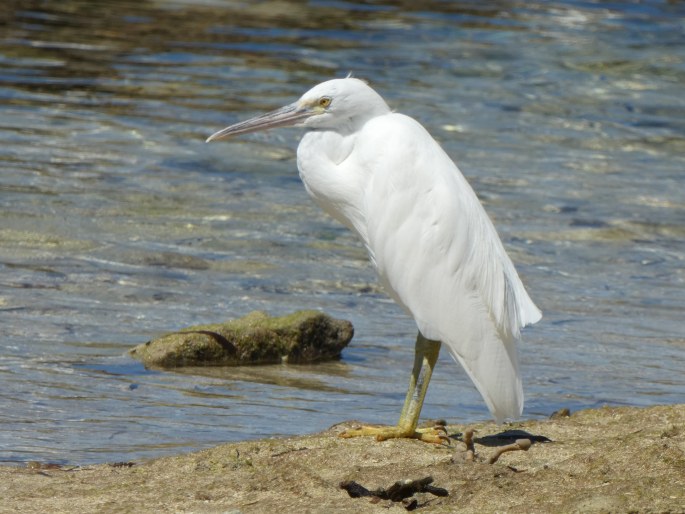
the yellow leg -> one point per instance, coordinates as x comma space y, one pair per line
425, 356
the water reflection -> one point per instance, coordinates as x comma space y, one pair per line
118, 223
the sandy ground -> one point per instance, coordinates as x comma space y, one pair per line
605, 460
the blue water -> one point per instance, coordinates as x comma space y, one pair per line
119, 223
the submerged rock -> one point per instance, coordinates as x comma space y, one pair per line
301, 337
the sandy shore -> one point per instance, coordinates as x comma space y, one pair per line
604, 460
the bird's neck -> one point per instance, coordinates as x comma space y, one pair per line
323, 159
331, 146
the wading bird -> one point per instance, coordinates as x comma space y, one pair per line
435, 250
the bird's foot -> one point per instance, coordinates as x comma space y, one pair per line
436, 434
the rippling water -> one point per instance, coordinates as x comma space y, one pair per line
119, 223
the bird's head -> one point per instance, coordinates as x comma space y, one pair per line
339, 104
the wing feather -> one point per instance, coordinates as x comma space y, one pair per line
439, 256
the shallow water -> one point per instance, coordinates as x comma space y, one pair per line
119, 223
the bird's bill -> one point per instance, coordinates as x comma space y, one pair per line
283, 117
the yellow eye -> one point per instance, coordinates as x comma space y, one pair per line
324, 101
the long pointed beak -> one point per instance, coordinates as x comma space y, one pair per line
283, 117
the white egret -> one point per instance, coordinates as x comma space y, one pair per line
435, 250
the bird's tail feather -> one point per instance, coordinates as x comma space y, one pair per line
498, 383
492, 364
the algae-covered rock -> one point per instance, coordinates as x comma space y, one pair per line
301, 337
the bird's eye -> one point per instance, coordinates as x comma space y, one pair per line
324, 101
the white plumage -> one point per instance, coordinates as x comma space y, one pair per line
436, 251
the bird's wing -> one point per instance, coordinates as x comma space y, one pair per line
439, 256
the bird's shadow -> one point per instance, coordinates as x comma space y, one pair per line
504, 438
